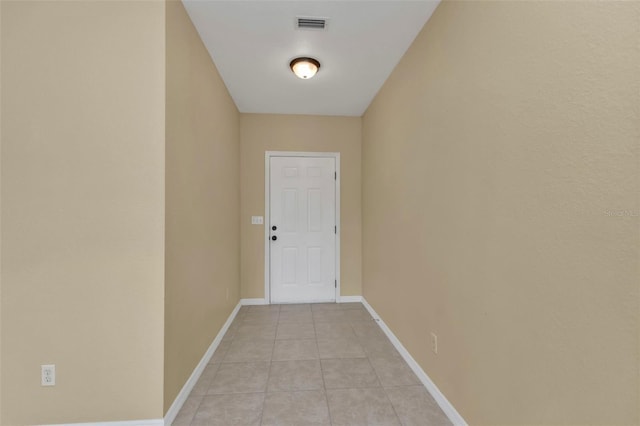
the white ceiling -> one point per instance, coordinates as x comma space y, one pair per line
252, 43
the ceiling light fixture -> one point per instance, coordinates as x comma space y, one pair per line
304, 68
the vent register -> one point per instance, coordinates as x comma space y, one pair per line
311, 23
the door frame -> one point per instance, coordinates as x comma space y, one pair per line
267, 218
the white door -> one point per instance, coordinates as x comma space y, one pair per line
302, 229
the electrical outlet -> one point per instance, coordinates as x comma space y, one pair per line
48, 375
434, 343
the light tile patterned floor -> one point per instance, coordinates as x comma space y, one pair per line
304, 365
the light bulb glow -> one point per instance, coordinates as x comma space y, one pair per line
304, 68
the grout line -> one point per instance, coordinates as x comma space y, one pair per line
393, 407
195, 412
384, 390
324, 384
266, 386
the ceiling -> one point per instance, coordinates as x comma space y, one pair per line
252, 43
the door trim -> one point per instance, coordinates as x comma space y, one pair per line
267, 209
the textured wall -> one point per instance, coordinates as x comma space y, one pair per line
202, 275
267, 132
82, 210
500, 208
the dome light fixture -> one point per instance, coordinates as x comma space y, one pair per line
304, 68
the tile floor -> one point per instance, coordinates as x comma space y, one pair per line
303, 365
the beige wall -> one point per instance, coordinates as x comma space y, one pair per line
82, 210
202, 274
490, 160
266, 132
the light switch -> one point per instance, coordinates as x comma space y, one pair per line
257, 220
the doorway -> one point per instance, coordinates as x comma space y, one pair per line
302, 249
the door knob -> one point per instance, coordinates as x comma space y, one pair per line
273, 228
274, 238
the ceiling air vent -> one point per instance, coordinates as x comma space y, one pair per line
311, 23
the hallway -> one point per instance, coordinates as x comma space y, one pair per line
321, 364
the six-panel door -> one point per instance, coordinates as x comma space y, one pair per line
302, 229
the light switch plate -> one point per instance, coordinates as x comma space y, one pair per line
257, 220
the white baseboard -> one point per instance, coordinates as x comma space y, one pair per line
247, 302
188, 386
341, 299
153, 422
349, 299
442, 401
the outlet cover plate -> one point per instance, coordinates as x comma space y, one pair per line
48, 375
